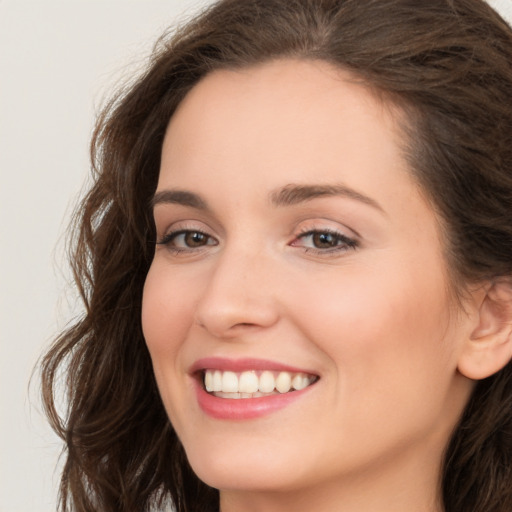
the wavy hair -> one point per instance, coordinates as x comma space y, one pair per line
446, 63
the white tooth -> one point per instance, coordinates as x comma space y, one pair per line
297, 382
248, 382
208, 380
234, 396
300, 381
284, 382
217, 381
267, 382
229, 382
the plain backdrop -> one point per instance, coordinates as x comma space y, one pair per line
58, 61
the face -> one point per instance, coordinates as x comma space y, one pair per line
299, 271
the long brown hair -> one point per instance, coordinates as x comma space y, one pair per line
446, 63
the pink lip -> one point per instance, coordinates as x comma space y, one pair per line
243, 408
240, 365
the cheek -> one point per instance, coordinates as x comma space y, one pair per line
382, 329
392, 360
167, 314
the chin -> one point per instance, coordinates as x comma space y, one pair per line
246, 469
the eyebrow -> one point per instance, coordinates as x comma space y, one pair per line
295, 194
288, 195
183, 197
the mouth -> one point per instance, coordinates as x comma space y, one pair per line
244, 389
253, 383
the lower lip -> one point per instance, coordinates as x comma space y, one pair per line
244, 408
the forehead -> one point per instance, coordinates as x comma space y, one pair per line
285, 115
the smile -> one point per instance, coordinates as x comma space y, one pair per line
253, 383
243, 389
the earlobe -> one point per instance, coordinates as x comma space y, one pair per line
489, 347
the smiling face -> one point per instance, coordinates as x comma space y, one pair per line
295, 251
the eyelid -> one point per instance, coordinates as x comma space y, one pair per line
175, 233
347, 242
175, 229
183, 225
321, 224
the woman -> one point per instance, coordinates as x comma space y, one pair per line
296, 262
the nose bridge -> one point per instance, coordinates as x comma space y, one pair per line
238, 292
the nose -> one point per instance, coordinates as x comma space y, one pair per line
239, 295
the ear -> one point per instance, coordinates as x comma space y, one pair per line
489, 347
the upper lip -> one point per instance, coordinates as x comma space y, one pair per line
245, 364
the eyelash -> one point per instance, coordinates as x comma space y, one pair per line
170, 237
342, 242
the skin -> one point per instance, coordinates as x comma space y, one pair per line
376, 322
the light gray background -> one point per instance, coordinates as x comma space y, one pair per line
58, 60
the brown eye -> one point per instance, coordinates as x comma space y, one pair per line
325, 240
186, 239
195, 239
